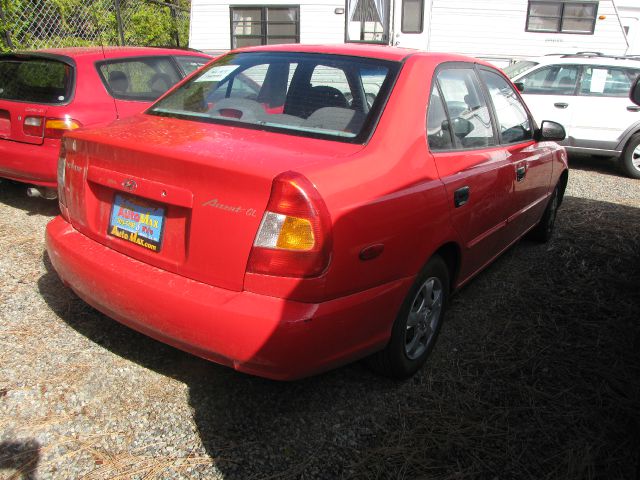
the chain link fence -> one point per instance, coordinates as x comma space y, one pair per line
33, 24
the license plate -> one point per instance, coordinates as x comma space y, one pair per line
137, 221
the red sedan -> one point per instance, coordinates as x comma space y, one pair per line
45, 93
289, 209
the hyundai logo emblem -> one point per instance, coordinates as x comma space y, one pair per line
130, 185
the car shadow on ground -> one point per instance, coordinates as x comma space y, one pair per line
22, 457
534, 375
593, 163
14, 194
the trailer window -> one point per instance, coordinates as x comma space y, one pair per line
562, 16
412, 16
252, 26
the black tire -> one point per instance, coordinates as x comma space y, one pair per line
410, 346
630, 159
543, 231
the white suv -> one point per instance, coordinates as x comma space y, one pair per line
588, 93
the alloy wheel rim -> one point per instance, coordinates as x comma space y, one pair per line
635, 158
424, 316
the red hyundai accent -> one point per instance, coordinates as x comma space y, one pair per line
289, 209
45, 93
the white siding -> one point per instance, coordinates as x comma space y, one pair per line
496, 28
210, 22
483, 28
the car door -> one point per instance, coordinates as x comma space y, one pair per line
602, 110
532, 166
474, 168
550, 93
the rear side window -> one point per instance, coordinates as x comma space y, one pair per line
607, 81
35, 80
438, 131
143, 79
552, 80
468, 112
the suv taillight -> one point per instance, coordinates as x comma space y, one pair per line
294, 238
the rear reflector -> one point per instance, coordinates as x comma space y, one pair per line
33, 126
294, 238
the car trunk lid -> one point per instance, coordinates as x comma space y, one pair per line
183, 196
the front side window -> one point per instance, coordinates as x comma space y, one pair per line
251, 26
143, 79
190, 64
35, 80
470, 121
552, 80
316, 95
607, 81
561, 16
511, 115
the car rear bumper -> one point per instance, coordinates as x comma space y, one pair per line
35, 164
257, 334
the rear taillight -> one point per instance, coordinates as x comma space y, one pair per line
33, 126
294, 238
62, 167
56, 127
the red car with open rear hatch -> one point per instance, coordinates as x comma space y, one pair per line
45, 93
292, 208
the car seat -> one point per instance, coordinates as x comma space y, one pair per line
118, 81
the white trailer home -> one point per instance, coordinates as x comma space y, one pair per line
498, 30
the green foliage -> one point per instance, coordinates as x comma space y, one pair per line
30, 24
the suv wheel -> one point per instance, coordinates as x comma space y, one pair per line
630, 160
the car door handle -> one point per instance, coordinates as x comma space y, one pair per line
633, 108
561, 105
521, 172
461, 196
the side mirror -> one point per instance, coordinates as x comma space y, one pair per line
520, 86
551, 131
459, 126
634, 94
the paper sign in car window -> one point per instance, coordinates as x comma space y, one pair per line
598, 80
216, 74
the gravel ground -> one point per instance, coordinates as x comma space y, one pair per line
536, 374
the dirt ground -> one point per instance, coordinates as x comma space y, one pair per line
536, 374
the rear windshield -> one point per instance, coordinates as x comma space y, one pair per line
305, 94
518, 67
143, 79
35, 80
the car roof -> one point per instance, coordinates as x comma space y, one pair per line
382, 52
93, 53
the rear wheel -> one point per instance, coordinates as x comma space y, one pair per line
544, 230
630, 160
418, 323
